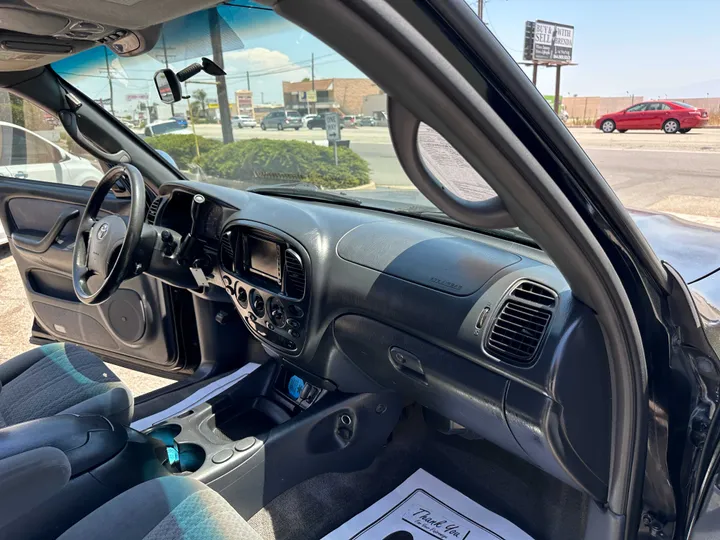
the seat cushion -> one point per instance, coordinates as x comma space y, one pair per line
167, 508
61, 378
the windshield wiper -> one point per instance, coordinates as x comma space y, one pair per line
306, 191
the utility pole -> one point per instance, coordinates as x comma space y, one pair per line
167, 65
262, 97
312, 79
247, 74
222, 95
480, 9
107, 68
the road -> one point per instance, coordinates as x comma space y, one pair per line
647, 169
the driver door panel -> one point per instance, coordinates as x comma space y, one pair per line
134, 326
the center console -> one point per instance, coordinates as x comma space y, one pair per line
272, 430
266, 273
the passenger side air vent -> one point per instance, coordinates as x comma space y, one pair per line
519, 328
294, 275
535, 293
153, 210
227, 251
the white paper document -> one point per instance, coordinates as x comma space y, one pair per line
424, 508
207, 392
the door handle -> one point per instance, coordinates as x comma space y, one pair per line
20, 174
33, 244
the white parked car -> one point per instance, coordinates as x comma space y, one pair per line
31, 156
307, 118
165, 127
243, 121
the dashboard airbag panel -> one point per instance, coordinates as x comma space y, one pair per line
445, 263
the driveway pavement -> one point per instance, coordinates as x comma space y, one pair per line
647, 169
17, 319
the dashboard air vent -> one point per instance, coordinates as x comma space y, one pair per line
535, 293
520, 326
153, 210
294, 275
227, 251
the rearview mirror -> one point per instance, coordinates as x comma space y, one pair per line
168, 86
168, 82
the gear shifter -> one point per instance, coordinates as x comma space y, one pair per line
189, 240
197, 203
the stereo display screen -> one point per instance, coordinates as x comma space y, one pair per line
264, 257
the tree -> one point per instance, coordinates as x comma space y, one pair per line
201, 96
306, 79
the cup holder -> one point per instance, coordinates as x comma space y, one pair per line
178, 458
192, 457
166, 433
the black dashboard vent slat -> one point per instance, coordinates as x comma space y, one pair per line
153, 210
294, 275
520, 326
227, 251
535, 293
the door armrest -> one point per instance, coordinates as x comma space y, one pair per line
41, 245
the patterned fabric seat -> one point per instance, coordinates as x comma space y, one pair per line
61, 378
168, 508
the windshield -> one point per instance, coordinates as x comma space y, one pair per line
281, 77
277, 75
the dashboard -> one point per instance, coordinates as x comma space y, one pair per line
483, 332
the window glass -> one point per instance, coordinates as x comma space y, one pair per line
684, 105
34, 146
638, 108
654, 107
277, 74
665, 107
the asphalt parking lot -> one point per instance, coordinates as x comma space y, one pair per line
647, 169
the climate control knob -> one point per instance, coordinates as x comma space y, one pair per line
258, 304
277, 312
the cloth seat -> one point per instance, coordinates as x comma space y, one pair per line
167, 508
61, 378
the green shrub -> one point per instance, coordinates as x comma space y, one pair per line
182, 147
275, 161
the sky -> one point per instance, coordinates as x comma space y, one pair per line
649, 48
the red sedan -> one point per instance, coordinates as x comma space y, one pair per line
670, 116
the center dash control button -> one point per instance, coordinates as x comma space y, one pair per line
222, 456
245, 444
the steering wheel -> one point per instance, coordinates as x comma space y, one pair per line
104, 248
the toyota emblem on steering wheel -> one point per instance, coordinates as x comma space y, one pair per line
102, 231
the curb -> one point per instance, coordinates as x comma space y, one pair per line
371, 185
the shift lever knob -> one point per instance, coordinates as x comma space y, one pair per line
197, 203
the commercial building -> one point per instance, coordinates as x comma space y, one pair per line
332, 95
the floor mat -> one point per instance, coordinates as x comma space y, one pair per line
542, 506
424, 508
205, 393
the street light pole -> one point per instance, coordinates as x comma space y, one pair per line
107, 67
222, 94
